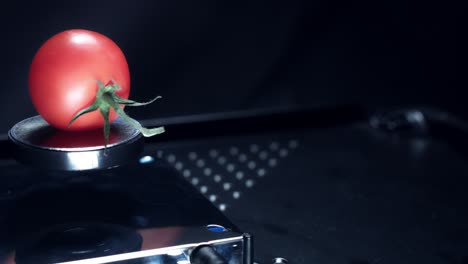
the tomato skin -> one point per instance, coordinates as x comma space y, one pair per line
64, 73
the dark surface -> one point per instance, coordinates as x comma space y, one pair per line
53, 216
345, 194
216, 56
339, 192
361, 200
206, 254
70, 242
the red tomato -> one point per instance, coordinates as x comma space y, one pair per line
64, 73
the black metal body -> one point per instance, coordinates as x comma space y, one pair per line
56, 216
341, 189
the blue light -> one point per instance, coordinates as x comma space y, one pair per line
216, 228
146, 159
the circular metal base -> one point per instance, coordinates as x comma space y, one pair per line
41, 145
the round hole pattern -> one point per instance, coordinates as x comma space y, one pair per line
263, 155
254, 148
222, 207
212, 198
213, 153
293, 144
252, 165
222, 174
179, 165
217, 178
227, 186
274, 146
186, 173
195, 181
242, 158
234, 151
272, 162
171, 158
230, 167
200, 163
222, 160
283, 153
192, 155
261, 172
207, 171
249, 183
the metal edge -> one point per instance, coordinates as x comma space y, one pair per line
13, 138
113, 158
248, 254
238, 122
145, 253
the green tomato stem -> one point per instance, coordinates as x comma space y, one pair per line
147, 132
106, 98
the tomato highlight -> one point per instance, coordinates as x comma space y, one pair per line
79, 80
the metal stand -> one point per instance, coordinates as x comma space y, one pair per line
39, 144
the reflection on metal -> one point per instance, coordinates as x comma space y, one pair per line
231, 249
146, 159
280, 261
82, 160
171, 221
39, 144
216, 228
403, 122
73, 241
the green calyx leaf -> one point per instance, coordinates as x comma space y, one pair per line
106, 98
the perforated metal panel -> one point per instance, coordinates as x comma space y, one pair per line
223, 174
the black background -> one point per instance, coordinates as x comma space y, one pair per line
406, 200
214, 56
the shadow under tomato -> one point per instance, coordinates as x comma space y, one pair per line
78, 139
